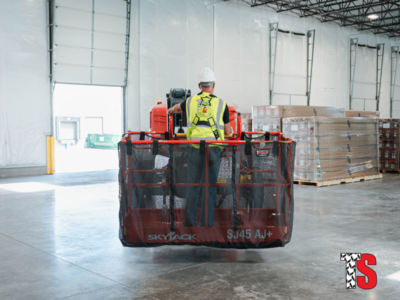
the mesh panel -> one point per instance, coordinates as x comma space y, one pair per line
181, 193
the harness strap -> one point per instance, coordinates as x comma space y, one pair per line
211, 121
203, 123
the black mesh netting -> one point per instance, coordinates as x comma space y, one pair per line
231, 195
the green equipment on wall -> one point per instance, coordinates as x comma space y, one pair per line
103, 141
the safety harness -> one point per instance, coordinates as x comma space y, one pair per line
205, 116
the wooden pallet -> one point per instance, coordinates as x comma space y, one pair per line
337, 181
390, 171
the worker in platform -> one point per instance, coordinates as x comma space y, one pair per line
207, 119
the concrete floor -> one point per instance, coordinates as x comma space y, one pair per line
75, 159
58, 239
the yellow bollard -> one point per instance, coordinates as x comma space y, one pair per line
50, 155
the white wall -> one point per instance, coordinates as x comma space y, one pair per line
171, 40
24, 87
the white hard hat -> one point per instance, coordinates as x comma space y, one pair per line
206, 75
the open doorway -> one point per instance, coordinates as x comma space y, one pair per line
88, 125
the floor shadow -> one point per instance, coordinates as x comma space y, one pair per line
201, 254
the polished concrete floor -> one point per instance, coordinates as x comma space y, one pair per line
59, 240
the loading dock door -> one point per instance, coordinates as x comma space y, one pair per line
90, 42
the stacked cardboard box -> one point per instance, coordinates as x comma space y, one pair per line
361, 113
269, 118
389, 144
246, 122
333, 147
246, 125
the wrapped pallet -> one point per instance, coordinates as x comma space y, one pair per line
361, 113
331, 148
269, 118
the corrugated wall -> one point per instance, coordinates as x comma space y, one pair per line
24, 87
171, 40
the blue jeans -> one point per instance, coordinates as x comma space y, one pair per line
196, 174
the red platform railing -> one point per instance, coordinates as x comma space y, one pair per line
140, 224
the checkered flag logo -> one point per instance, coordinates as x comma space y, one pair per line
351, 264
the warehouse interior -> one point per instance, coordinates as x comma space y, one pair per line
313, 84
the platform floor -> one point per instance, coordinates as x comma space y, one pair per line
59, 240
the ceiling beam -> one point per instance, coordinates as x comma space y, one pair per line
357, 16
318, 5
356, 7
370, 21
344, 12
380, 26
264, 3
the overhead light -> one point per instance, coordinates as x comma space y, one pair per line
373, 17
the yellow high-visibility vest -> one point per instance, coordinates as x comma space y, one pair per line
204, 113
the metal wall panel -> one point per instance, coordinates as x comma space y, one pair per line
113, 7
291, 68
79, 4
24, 88
365, 74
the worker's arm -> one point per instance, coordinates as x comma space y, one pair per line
228, 129
227, 124
175, 109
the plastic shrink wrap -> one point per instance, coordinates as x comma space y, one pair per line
362, 113
269, 118
333, 147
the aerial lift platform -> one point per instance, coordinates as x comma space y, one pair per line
254, 206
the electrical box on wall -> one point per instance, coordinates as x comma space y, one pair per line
68, 130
